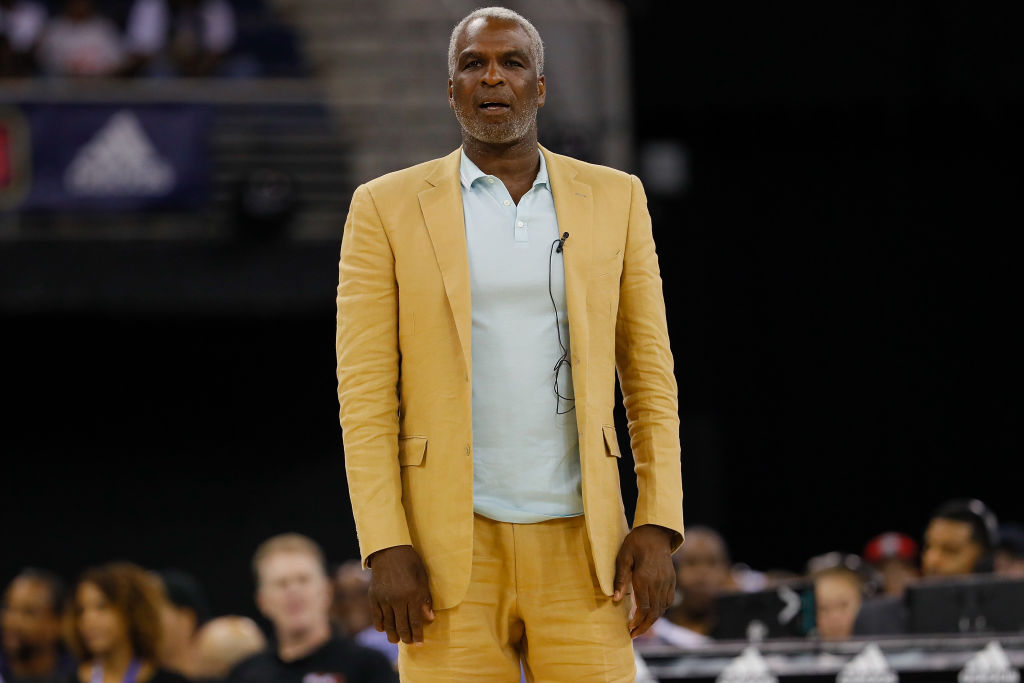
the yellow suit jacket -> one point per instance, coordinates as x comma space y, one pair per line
405, 365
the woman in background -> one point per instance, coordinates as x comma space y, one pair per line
113, 626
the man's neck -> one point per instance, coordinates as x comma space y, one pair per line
296, 645
40, 663
513, 162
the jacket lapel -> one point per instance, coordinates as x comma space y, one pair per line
574, 206
441, 205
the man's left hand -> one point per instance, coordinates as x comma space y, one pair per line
645, 558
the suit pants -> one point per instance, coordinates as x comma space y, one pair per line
533, 601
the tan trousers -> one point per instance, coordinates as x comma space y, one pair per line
533, 597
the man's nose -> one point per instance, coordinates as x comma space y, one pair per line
493, 75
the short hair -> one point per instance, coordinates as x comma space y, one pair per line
502, 14
185, 592
287, 543
984, 523
134, 592
56, 586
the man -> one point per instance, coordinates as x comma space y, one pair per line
894, 557
181, 616
30, 620
223, 642
485, 301
294, 593
959, 540
350, 610
702, 572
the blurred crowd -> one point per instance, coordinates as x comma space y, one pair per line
152, 38
120, 621
854, 594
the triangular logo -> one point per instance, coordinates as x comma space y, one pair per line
991, 665
749, 667
119, 161
867, 667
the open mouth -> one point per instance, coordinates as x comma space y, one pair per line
494, 106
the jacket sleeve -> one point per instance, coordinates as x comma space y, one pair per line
644, 363
368, 366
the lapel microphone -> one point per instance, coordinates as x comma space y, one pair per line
561, 242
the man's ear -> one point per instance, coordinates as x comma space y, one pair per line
451, 94
541, 91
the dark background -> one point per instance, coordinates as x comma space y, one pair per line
841, 284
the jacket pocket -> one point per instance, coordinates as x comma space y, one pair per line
411, 450
611, 442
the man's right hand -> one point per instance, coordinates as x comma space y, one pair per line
399, 593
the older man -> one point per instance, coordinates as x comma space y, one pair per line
485, 301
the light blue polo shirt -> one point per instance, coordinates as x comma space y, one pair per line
526, 458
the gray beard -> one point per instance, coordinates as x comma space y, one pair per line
499, 133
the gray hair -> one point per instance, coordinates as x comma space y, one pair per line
503, 14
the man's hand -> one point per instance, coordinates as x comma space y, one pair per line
645, 558
399, 594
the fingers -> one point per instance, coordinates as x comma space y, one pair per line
646, 614
402, 623
388, 616
378, 616
623, 574
428, 610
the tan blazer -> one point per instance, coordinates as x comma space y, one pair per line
405, 366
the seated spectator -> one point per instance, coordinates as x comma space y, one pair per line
1008, 559
839, 588
80, 42
222, 643
182, 37
30, 616
894, 557
960, 539
114, 627
184, 611
351, 609
702, 571
293, 591
21, 25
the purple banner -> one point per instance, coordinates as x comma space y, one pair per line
110, 158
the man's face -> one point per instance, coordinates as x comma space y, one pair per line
837, 601
949, 549
27, 619
702, 572
179, 625
294, 593
351, 608
495, 90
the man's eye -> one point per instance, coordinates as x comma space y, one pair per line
513, 62
472, 63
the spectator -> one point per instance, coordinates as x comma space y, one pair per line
185, 37
702, 571
960, 539
351, 609
114, 626
894, 556
294, 593
1009, 554
184, 611
80, 42
223, 642
839, 588
30, 621
21, 25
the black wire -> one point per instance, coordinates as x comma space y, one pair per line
564, 358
